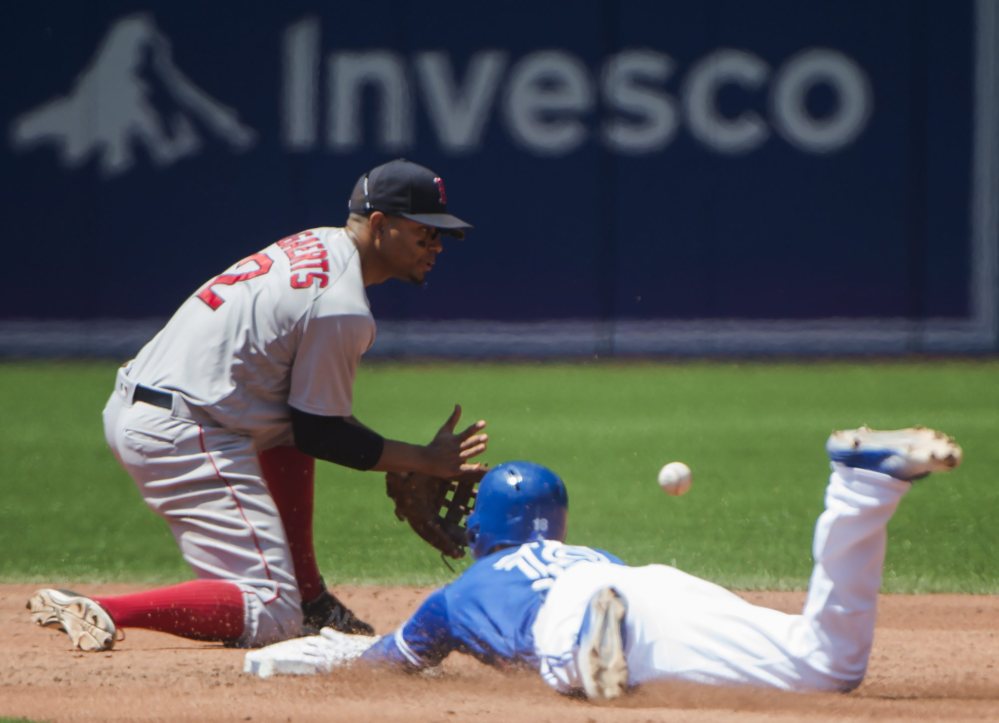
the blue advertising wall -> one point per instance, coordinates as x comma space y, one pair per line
703, 177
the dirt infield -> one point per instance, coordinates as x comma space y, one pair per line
935, 658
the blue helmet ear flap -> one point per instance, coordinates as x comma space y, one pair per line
517, 502
471, 530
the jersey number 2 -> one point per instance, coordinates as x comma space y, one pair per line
264, 263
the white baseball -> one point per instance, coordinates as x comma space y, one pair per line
675, 479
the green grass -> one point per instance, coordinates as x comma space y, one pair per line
752, 433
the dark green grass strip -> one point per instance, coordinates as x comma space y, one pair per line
753, 434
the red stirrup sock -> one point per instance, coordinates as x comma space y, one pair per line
200, 610
290, 477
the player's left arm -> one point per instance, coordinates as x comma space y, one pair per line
421, 642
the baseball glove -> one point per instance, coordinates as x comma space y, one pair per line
435, 508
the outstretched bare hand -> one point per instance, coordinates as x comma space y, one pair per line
448, 452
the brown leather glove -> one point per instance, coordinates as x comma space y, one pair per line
437, 509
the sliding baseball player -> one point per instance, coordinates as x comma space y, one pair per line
590, 624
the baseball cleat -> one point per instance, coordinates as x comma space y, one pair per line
600, 659
327, 611
88, 625
905, 454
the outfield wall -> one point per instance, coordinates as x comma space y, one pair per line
712, 177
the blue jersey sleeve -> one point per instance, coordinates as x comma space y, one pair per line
488, 612
423, 641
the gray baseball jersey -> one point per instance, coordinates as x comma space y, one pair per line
285, 326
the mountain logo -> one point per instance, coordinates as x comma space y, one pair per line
116, 105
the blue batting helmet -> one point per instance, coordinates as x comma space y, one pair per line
517, 502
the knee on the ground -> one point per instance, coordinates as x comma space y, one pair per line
837, 681
270, 617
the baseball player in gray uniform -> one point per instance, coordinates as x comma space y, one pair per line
219, 419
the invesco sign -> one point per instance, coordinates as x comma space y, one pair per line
550, 103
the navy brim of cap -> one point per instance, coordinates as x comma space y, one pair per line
448, 224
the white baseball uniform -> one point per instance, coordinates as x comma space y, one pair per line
680, 627
284, 327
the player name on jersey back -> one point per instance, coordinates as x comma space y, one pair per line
309, 259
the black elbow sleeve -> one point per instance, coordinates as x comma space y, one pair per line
336, 439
